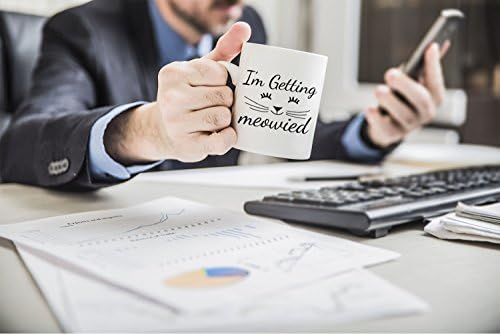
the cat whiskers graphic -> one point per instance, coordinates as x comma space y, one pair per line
256, 106
298, 114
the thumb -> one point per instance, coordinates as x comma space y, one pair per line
230, 44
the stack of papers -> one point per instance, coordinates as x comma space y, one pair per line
173, 264
468, 223
82, 304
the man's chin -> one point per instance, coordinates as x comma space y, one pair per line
223, 27
233, 11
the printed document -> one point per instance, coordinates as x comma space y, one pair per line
188, 256
82, 304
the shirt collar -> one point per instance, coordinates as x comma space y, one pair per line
171, 46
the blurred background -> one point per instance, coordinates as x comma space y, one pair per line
365, 37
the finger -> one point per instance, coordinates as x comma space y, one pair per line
197, 98
433, 74
218, 143
398, 110
416, 94
445, 48
230, 44
386, 130
208, 120
205, 72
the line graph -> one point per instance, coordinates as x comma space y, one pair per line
173, 233
164, 217
295, 254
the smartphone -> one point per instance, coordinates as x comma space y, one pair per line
440, 32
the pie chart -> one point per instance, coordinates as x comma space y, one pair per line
207, 278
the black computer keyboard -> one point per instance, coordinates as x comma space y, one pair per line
372, 207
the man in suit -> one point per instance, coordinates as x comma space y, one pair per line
120, 88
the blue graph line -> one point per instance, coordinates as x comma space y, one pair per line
164, 217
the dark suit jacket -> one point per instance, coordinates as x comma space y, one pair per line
93, 58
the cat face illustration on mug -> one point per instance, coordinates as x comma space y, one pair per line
280, 106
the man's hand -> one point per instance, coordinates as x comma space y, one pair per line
191, 118
424, 96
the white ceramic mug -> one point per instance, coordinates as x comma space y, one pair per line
277, 100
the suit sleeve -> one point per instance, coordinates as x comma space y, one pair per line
47, 142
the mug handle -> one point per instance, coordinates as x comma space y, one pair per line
234, 73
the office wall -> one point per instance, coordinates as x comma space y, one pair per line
39, 7
283, 19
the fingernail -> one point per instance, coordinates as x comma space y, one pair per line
435, 47
381, 89
393, 74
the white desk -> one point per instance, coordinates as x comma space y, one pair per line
459, 280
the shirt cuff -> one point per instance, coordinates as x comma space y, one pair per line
102, 166
354, 145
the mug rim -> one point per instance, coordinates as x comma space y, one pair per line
279, 48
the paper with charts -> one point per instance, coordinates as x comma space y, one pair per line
190, 256
82, 304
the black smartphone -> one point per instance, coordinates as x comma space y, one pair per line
440, 32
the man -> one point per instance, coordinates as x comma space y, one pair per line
84, 125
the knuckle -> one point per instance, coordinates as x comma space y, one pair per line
227, 116
228, 96
222, 96
163, 72
213, 118
224, 117
200, 66
172, 69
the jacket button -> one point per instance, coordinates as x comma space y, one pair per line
58, 167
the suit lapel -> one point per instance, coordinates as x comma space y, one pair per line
142, 37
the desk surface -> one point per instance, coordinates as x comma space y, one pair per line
459, 280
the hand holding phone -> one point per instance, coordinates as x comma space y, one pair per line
411, 95
441, 33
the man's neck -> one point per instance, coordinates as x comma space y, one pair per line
187, 32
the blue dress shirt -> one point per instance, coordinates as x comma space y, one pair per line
172, 47
355, 146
